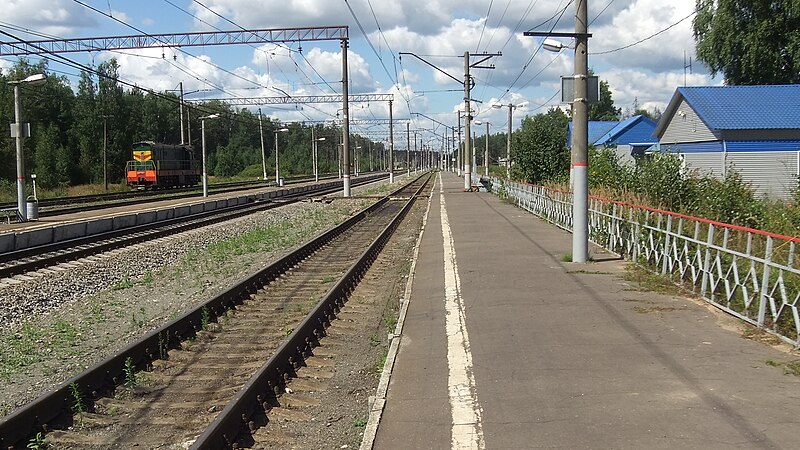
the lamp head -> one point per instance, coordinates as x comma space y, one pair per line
36, 79
552, 45
282, 129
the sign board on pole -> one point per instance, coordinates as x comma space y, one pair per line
25, 129
568, 89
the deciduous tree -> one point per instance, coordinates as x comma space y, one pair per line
750, 41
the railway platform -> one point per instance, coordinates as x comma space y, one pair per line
503, 345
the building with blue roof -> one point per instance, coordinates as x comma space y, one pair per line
754, 130
629, 137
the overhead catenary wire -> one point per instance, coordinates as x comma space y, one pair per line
624, 47
483, 29
122, 22
279, 45
557, 17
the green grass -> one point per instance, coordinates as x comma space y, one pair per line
130, 374
650, 281
124, 283
381, 361
78, 403
789, 368
205, 318
373, 340
390, 320
39, 442
20, 351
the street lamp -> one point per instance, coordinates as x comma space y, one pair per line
20, 131
511, 107
486, 152
263, 151
355, 163
203, 140
277, 168
315, 163
580, 130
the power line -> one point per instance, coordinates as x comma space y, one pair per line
179, 49
645, 39
500, 21
560, 14
519, 23
601, 12
287, 47
480, 38
366, 37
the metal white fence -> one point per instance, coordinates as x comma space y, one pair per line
748, 273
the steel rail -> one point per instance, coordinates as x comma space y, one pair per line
116, 240
54, 407
270, 380
135, 197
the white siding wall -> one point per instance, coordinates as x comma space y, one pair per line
771, 173
624, 154
687, 127
705, 163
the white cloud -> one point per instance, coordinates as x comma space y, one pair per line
440, 31
52, 17
644, 18
649, 90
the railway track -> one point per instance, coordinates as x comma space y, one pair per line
198, 362
35, 258
74, 204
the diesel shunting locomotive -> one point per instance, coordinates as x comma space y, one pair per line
161, 166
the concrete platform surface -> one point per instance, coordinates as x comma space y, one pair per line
504, 346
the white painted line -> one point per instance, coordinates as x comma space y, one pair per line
467, 431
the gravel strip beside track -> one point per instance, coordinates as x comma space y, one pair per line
53, 321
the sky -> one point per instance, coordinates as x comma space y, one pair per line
640, 47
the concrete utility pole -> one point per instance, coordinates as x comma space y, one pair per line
508, 142
345, 124
180, 87
105, 150
460, 157
263, 151
511, 107
486, 152
391, 144
408, 145
467, 120
580, 139
580, 129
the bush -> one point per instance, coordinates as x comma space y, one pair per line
659, 181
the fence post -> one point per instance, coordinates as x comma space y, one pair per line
666, 245
762, 298
707, 261
635, 237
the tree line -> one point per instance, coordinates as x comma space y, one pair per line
67, 141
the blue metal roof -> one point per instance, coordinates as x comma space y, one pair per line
638, 129
745, 107
597, 128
